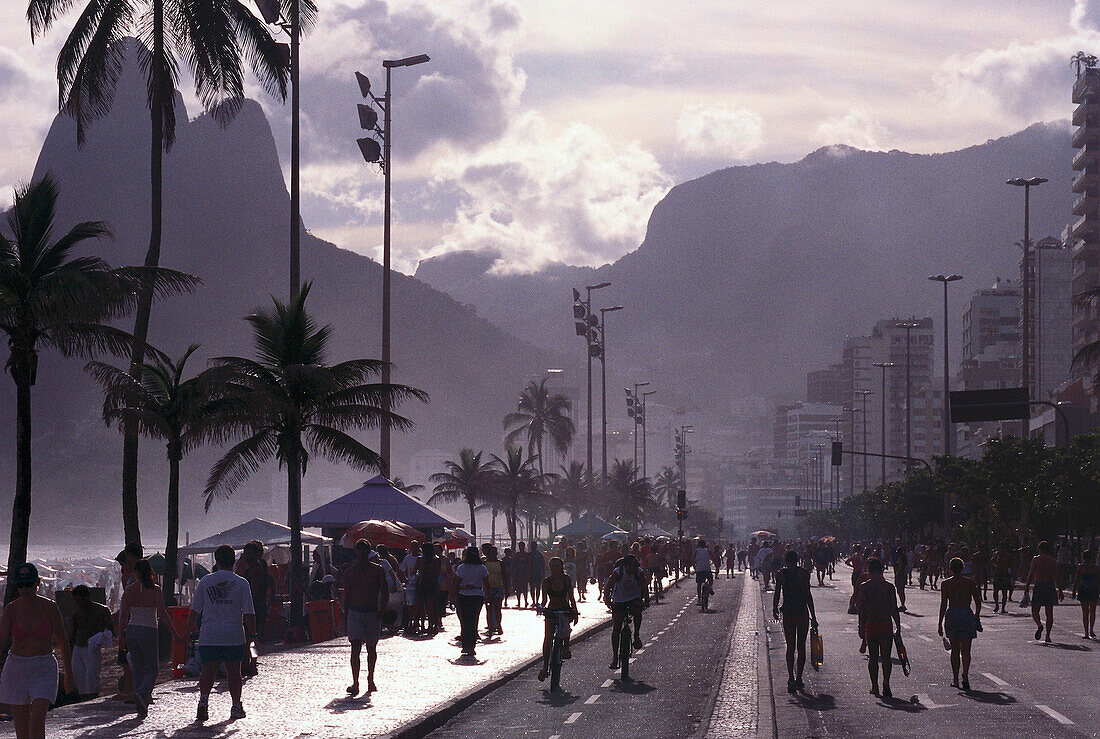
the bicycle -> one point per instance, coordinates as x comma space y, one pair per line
658, 586
562, 621
705, 591
626, 638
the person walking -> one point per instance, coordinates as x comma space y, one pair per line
1001, 564
138, 632
253, 568
498, 585
957, 622
1044, 573
126, 559
89, 621
31, 626
792, 585
537, 571
878, 613
520, 571
900, 563
1086, 589
469, 591
223, 601
366, 594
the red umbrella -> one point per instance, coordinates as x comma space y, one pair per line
380, 532
454, 539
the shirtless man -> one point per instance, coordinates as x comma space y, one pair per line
960, 622
366, 592
1044, 573
1001, 567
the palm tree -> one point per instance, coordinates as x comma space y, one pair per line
540, 417
569, 488
515, 479
289, 405
666, 485
1077, 61
629, 494
214, 39
467, 479
1089, 353
409, 488
49, 300
166, 407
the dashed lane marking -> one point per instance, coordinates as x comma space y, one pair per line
573, 718
927, 702
995, 680
639, 651
906, 626
592, 699
922, 636
1055, 715
555, 736
607, 683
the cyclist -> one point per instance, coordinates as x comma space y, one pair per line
703, 572
557, 595
625, 590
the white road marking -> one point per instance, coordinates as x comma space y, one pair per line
1055, 715
573, 718
591, 699
639, 651
555, 736
906, 626
927, 702
922, 636
607, 683
995, 680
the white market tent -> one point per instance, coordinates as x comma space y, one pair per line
269, 532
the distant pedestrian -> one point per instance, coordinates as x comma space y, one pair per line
1086, 589
223, 600
366, 593
1044, 573
957, 622
521, 573
498, 584
31, 625
537, 571
878, 614
139, 634
469, 591
90, 621
1001, 564
427, 587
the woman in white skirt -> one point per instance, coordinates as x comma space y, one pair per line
31, 625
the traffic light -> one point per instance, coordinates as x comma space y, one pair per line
631, 409
580, 314
838, 453
681, 515
681, 500
798, 501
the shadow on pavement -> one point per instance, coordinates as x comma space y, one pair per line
350, 703
819, 702
981, 696
563, 698
219, 730
634, 687
900, 704
1069, 647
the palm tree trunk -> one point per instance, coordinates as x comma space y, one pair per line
21, 506
171, 546
473, 519
130, 523
294, 521
513, 516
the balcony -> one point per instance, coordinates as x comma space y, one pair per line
1087, 158
1087, 84
1085, 228
1087, 204
1088, 109
1087, 134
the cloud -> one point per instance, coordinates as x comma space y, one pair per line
719, 131
539, 195
1085, 15
858, 128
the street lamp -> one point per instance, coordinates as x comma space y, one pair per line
863, 443
373, 153
603, 388
908, 326
587, 326
644, 445
1025, 334
851, 457
636, 414
945, 279
882, 441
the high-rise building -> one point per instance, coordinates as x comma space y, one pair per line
1052, 330
889, 341
991, 319
827, 386
1084, 231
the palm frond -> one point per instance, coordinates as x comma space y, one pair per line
342, 448
241, 461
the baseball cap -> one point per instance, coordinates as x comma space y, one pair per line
24, 574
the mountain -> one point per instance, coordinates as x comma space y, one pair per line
750, 276
226, 220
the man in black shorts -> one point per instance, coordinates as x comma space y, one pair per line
792, 583
366, 593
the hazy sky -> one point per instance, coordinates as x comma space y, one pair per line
548, 129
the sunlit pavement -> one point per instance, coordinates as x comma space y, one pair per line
301, 692
1020, 688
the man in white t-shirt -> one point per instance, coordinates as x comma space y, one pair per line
703, 572
223, 602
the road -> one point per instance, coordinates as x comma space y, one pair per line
674, 679
1021, 688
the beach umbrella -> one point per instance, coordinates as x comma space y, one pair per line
381, 532
453, 539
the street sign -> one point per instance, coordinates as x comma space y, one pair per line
1003, 404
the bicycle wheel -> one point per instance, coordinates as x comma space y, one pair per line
624, 653
704, 597
555, 665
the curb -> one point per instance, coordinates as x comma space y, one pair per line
448, 710
766, 715
712, 700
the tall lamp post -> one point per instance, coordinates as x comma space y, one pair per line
851, 457
373, 153
587, 326
603, 391
1025, 314
882, 420
908, 326
863, 443
637, 420
644, 437
945, 279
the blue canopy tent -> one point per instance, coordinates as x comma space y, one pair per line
379, 500
580, 527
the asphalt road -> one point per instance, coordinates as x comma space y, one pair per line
673, 680
1021, 688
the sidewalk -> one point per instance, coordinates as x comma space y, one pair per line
300, 692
